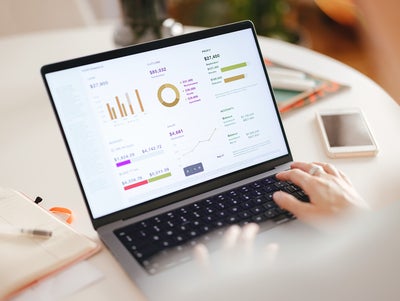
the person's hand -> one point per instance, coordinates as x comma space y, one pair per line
331, 195
330, 192
238, 249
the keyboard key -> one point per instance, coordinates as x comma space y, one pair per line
259, 218
245, 214
270, 213
257, 210
233, 219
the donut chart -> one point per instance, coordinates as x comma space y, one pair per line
168, 102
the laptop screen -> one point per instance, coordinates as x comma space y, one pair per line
142, 125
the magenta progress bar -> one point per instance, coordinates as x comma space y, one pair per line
122, 163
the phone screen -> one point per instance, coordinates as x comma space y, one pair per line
346, 130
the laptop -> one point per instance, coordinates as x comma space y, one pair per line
172, 141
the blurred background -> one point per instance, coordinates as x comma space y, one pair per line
330, 27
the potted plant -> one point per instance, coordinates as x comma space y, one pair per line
144, 20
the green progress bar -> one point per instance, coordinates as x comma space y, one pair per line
153, 179
232, 67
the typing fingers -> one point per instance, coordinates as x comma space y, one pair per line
202, 256
237, 246
296, 176
288, 202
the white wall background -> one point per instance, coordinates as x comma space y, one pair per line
22, 16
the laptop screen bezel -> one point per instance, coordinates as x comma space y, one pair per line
186, 192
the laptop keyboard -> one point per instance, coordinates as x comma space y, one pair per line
157, 242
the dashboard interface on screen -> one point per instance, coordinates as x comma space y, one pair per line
144, 125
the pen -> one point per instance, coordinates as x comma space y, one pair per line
25, 231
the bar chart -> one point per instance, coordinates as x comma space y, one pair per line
232, 68
123, 108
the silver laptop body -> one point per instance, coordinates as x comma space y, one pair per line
152, 127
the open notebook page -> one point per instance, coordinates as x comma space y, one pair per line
26, 259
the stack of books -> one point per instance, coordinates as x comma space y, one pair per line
294, 88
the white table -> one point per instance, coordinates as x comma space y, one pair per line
33, 158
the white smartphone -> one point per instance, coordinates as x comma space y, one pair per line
345, 133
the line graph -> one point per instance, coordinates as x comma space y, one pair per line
200, 142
